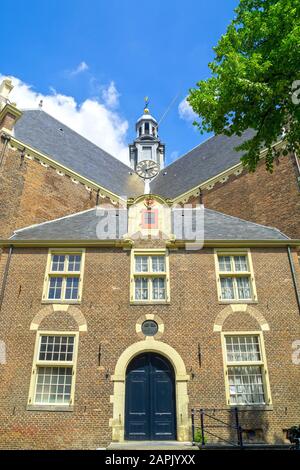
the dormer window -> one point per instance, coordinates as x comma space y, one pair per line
150, 218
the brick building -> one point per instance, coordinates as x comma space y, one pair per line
121, 311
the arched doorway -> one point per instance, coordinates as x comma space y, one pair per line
150, 408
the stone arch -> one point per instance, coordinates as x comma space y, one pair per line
75, 312
241, 308
181, 378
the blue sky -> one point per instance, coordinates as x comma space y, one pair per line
159, 48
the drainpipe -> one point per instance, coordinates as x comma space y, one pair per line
294, 276
6, 139
5, 276
297, 163
97, 196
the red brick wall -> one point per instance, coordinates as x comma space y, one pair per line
31, 193
261, 197
111, 320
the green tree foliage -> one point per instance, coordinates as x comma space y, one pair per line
255, 80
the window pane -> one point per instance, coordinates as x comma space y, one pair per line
53, 385
246, 385
159, 288
72, 284
56, 348
141, 288
158, 264
55, 287
57, 262
74, 262
227, 291
149, 218
147, 152
243, 287
224, 263
242, 348
240, 263
141, 264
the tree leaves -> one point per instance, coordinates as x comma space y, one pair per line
256, 64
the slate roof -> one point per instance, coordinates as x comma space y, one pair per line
219, 226
85, 226
205, 161
42, 132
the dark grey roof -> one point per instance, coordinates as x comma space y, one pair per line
205, 161
42, 132
92, 225
187, 224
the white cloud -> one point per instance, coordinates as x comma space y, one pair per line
80, 68
111, 95
186, 112
93, 118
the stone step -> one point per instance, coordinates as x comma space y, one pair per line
152, 445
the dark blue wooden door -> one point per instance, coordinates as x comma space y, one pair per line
150, 399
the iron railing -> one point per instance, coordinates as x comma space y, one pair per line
223, 425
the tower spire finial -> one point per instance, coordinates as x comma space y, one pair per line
146, 110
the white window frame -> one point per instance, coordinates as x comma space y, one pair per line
47, 363
150, 275
233, 274
63, 274
262, 363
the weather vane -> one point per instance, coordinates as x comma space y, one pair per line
146, 104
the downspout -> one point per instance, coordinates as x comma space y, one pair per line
297, 164
294, 276
6, 140
5, 276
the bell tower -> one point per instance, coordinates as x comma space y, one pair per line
147, 145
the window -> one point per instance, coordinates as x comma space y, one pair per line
146, 127
150, 218
245, 367
53, 375
147, 153
235, 277
149, 276
63, 281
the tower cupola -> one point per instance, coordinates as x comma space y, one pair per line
147, 145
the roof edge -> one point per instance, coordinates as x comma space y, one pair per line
122, 243
264, 243
48, 160
215, 179
128, 243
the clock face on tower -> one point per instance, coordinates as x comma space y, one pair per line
147, 169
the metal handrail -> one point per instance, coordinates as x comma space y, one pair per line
204, 428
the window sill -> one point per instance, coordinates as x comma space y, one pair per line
251, 407
49, 408
150, 302
62, 302
237, 302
